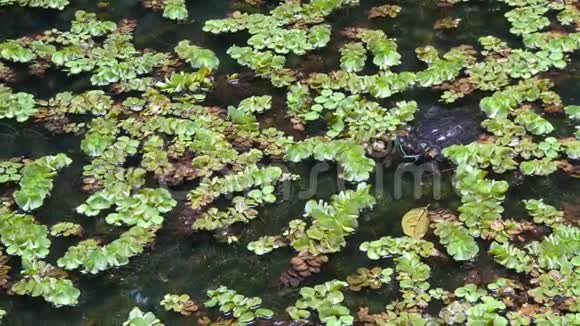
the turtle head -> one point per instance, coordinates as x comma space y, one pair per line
409, 145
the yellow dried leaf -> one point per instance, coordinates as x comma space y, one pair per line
416, 222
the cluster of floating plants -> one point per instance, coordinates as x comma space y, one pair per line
171, 9
49, 4
146, 128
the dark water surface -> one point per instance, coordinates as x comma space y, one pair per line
192, 264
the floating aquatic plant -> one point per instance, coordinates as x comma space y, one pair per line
447, 23
243, 309
373, 278
533, 123
66, 229
20, 106
114, 60
543, 213
544, 166
91, 257
196, 56
348, 154
242, 211
179, 303
15, 51
441, 69
391, 11
265, 64
140, 318
150, 127
266, 244
333, 222
526, 20
36, 180
42, 279
511, 257
384, 49
573, 112
481, 197
356, 117
23, 236
325, 299
175, 9
251, 177
456, 238
142, 208
502, 103
10, 170
353, 57
271, 30
499, 158
50, 4
389, 246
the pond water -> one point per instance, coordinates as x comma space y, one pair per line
193, 263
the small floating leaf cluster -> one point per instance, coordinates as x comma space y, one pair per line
243, 309
138, 318
49, 4
331, 224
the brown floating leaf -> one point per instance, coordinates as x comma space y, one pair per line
303, 266
4, 270
384, 11
447, 23
416, 222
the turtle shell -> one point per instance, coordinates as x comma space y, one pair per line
448, 127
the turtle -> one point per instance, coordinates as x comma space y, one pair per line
437, 129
